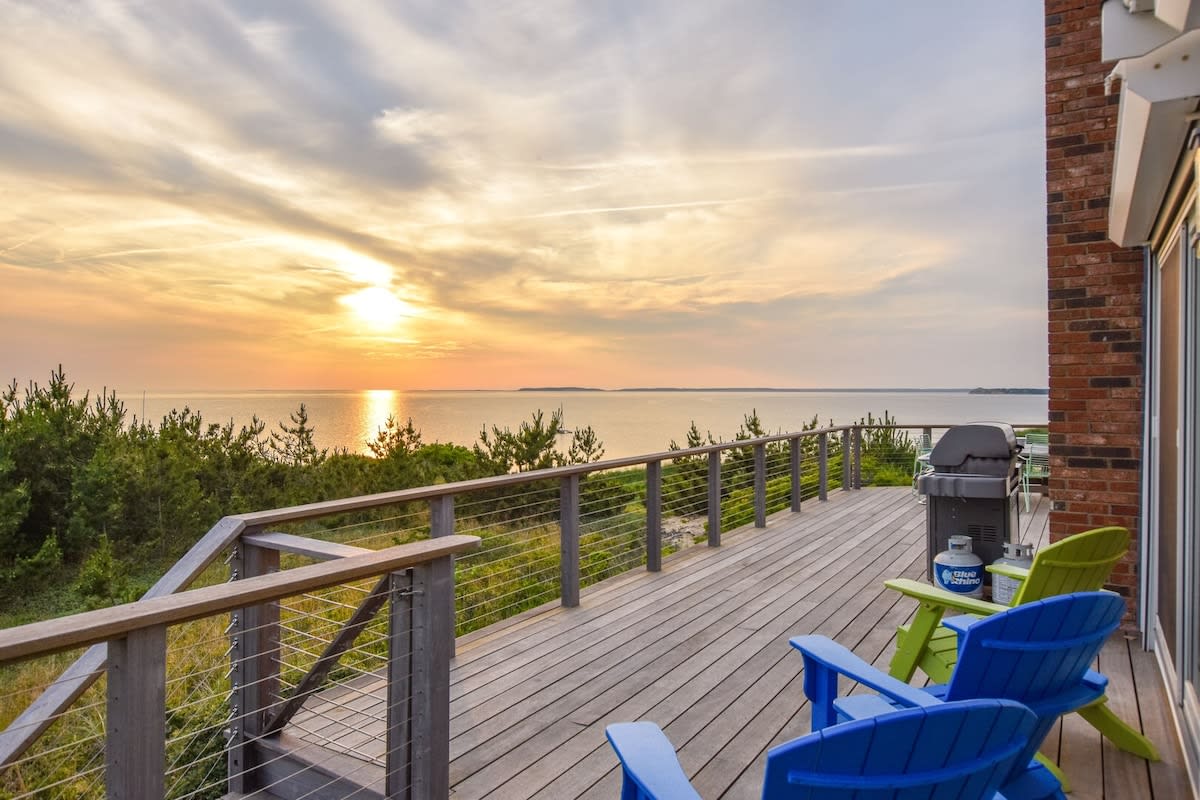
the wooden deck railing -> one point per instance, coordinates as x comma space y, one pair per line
127, 640
420, 579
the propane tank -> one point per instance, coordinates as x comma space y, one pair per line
1004, 588
959, 570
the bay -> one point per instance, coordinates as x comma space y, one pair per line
628, 422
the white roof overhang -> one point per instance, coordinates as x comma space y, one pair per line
1158, 95
1132, 28
1126, 34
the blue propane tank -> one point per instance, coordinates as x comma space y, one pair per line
959, 570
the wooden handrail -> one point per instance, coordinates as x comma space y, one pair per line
92, 627
327, 507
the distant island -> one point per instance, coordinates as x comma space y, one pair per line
560, 389
982, 390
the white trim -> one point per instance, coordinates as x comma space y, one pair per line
1181, 15
1189, 724
1125, 33
1188, 657
1169, 679
1158, 92
1148, 551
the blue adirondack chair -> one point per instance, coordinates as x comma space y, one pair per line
957, 750
1036, 654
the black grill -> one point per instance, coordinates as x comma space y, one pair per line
972, 489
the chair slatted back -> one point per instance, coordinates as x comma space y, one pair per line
1036, 651
1079, 563
1036, 654
956, 750
1037, 454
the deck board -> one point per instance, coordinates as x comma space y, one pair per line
701, 649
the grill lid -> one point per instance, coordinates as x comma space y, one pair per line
973, 444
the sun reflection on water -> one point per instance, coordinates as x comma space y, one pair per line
377, 405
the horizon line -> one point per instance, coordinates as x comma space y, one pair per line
565, 389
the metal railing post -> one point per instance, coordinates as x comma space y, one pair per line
857, 457
654, 516
714, 498
441, 523
254, 677
568, 493
760, 486
847, 465
398, 733
135, 747
794, 464
417, 761
822, 466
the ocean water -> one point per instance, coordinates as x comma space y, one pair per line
628, 423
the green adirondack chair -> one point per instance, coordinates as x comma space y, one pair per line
1078, 563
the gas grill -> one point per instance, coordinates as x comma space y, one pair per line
972, 489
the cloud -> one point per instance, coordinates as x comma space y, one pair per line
414, 125
642, 180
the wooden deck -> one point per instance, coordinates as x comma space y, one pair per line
701, 649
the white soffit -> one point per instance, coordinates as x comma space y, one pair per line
1125, 34
1158, 92
1182, 15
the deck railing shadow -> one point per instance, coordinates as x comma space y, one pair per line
213, 722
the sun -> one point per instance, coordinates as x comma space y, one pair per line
377, 308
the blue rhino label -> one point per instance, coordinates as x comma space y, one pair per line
959, 579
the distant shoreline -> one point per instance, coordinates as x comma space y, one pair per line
886, 390
592, 389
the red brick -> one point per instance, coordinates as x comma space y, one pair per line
1078, 117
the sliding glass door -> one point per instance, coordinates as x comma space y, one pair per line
1171, 555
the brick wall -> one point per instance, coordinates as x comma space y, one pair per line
1095, 296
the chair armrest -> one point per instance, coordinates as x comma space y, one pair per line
1008, 571
935, 596
825, 659
1095, 680
649, 760
960, 623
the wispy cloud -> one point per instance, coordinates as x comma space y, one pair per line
648, 207
466, 194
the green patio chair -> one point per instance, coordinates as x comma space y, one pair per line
1078, 563
922, 447
1035, 461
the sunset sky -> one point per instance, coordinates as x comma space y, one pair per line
489, 194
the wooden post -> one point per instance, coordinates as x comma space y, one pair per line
794, 465
568, 522
857, 457
441, 516
822, 466
135, 757
417, 761
714, 498
847, 466
760, 485
654, 516
254, 651
433, 635
441, 523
